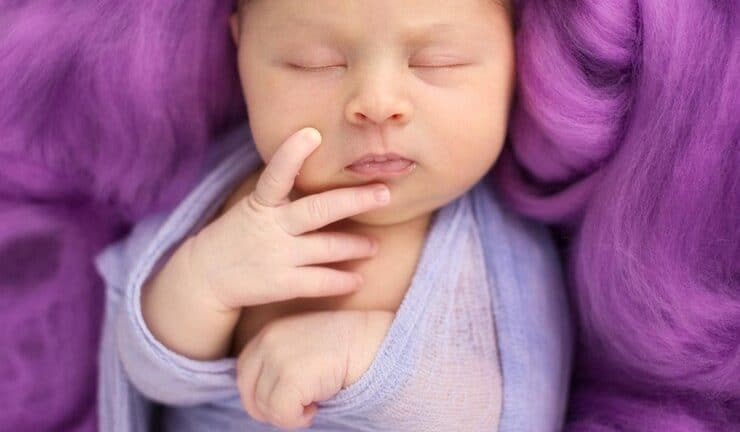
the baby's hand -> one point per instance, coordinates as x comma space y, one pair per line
258, 251
296, 361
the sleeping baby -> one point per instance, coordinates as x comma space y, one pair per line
344, 263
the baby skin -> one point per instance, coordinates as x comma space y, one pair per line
310, 331
301, 272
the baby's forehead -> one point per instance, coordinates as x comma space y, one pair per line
404, 10
412, 21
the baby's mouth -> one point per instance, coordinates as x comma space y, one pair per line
386, 165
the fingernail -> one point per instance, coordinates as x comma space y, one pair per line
313, 135
373, 246
382, 195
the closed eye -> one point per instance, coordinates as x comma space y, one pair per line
438, 68
433, 62
439, 65
314, 68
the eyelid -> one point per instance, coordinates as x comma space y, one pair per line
315, 62
439, 61
445, 65
312, 68
439, 66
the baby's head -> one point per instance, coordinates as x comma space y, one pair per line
429, 80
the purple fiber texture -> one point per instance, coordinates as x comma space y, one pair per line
106, 108
625, 135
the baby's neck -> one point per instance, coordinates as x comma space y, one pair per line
387, 235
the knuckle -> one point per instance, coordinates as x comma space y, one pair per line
270, 342
249, 206
331, 245
273, 345
270, 179
281, 287
360, 198
318, 209
281, 219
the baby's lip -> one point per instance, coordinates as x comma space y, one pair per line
375, 157
381, 166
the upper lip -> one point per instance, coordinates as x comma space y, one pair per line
377, 157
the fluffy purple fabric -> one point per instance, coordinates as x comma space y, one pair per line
106, 108
625, 132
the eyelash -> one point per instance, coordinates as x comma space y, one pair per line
446, 66
323, 68
313, 68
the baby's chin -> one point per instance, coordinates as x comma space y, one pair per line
401, 209
378, 218
393, 214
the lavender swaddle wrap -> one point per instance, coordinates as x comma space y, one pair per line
480, 342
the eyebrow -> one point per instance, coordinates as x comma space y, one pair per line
413, 33
437, 28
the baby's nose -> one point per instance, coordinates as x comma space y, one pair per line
379, 104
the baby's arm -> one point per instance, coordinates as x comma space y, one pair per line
257, 253
180, 313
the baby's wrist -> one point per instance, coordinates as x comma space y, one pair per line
365, 342
183, 317
191, 270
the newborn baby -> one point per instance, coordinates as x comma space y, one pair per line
344, 265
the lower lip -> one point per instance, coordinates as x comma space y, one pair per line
387, 169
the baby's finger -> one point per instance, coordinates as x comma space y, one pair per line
250, 368
315, 211
264, 386
308, 414
332, 247
310, 281
276, 181
289, 403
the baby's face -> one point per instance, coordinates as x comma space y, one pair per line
429, 80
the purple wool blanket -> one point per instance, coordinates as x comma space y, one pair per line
106, 108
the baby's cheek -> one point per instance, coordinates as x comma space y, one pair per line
312, 180
466, 167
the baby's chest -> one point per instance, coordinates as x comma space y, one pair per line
440, 370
